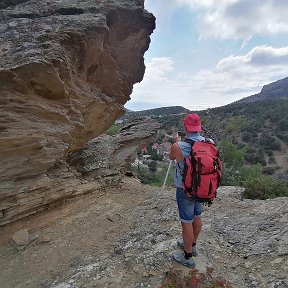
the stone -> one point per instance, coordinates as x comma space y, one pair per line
276, 261
21, 237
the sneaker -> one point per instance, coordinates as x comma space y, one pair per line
181, 245
179, 257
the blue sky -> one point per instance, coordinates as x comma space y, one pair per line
208, 53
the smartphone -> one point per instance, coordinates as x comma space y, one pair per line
181, 134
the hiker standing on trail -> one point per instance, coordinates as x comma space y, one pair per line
189, 209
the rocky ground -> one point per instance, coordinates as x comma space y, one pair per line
124, 236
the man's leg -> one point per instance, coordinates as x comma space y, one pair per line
190, 233
186, 216
188, 236
196, 227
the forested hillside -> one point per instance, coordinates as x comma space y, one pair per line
259, 130
253, 143
157, 112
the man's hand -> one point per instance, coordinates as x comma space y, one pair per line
177, 138
175, 151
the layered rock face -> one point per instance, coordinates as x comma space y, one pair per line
67, 68
106, 158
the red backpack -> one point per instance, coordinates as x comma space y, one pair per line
202, 171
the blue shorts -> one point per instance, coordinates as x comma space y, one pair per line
187, 207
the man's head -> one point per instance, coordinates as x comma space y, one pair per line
192, 123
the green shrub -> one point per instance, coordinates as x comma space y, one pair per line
269, 170
240, 146
156, 157
283, 136
265, 188
283, 124
154, 178
238, 177
255, 158
152, 166
230, 176
114, 129
248, 173
247, 136
229, 154
271, 160
270, 143
270, 153
236, 124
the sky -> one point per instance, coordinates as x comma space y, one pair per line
208, 53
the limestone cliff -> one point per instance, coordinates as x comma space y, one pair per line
66, 69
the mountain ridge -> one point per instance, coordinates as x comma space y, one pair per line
155, 112
272, 91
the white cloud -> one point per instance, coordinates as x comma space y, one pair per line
256, 58
231, 79
242, 19
157, 69
200, 3
230, 19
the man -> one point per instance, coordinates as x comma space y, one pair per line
189, 209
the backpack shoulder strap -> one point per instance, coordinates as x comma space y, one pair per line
187, 140
210, 141
191, 142
205, 140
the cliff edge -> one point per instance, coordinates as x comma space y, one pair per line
124, 236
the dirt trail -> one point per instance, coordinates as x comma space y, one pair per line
123, 237
68, 236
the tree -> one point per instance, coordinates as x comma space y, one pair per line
152, 166
230, 155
